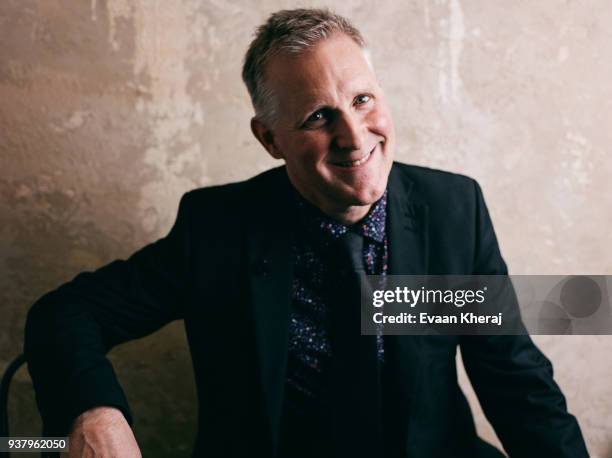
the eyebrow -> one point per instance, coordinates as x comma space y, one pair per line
313, 104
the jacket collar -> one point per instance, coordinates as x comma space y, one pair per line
406, 226
270, 238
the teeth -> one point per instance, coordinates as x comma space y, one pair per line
355, 163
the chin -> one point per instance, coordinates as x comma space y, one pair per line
366, 196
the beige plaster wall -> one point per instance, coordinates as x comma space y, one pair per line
110, 110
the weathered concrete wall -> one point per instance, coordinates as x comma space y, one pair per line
110, 110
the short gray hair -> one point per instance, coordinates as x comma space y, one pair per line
290, 32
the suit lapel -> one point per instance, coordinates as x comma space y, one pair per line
407, 221
408, 255
270, 241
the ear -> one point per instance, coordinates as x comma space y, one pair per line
265, 137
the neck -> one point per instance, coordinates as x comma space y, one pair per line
345, 215
348, 216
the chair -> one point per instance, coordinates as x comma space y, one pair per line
4, 393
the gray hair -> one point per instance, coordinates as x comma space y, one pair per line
290, 32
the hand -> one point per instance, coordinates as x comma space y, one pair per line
102, 432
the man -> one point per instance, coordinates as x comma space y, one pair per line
249, 265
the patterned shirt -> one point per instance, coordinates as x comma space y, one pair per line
309, 350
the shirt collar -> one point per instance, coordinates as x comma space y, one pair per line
315, 222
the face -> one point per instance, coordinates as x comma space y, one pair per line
333, 127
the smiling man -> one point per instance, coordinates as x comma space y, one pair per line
288, 378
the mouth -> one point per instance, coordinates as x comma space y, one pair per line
357, 162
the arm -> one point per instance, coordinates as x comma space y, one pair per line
512, 378
70, 330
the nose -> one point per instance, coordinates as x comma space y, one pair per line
349, 132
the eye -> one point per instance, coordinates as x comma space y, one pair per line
362, 99
317, 119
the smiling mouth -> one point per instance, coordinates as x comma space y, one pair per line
356, 163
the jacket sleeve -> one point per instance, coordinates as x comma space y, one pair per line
69, 330
512, 378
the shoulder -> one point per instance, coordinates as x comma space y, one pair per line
459, 225
230, 196
428, 177
436, 187
223, 211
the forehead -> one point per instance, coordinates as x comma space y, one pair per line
333, 69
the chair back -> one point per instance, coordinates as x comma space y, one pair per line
4, 393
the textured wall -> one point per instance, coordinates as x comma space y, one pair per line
110, 110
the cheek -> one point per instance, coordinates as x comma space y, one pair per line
380, 122
311, 150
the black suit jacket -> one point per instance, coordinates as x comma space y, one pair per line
226, 269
